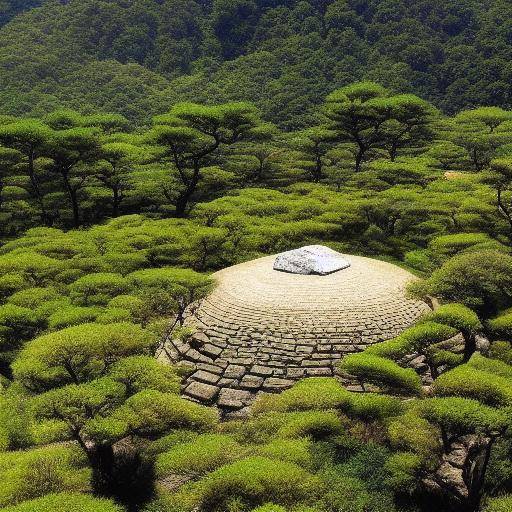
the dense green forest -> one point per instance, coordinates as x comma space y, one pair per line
139, 57
145, 144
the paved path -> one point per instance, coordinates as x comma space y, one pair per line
261, 329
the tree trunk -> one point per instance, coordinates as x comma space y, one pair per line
359, 158
469, 346
73, 197
185, 196
36, 192
477, 476
116, 200
102, 460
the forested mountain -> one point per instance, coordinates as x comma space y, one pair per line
140, 56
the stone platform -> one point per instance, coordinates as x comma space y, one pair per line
261, 329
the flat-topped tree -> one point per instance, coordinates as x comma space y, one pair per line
115, 174
29, 137
9, 158
500, 179
315, 142
409, 123
104, 384
491, 117
366, 115
190, 136
73, 152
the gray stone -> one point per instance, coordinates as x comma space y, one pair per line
233, 398
201, 391
204, 376
251, 382
311, 260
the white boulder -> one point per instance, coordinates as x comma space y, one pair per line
311, 260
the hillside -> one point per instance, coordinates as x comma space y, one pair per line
141, 56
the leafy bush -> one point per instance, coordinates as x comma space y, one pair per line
413, 433
34, 297
97, 289
501, 326
371, 406
297, 451
477, 280
311, 393
34, 473
501, 504
317, 424
461, 415
255, 481
502, 351
404, 471
65, 502
414, 339
138, 373
45, 361
72, 315
469, 382
204, 454
457, 316
382, 372
152, 412
21, 323
114, 315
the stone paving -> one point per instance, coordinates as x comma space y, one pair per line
261, 330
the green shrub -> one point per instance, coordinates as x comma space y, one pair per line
457, 316
311, 393
66, 502
46, 309
269, 507
44, 361
72, 315
14, 422
20, 323
478, 280
501, 504
382, 372
34, 473
114, 315
297, 451
124, 263
414, 339
413, 433
469, 382
450, 245
204, 454
461, 415
493, 366
152, 412
403, 469
34, 297
316, 424
371, 406
138, 373
502, 351
11, 283
501, 326
255, 481
97, 289
135, 305
34, 267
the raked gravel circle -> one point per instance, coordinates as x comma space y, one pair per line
262, 329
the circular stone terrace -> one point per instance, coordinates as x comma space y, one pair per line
274, 320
